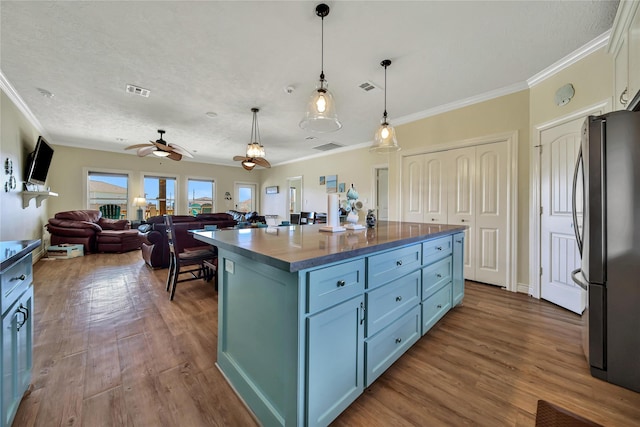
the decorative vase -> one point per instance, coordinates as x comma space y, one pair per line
352, 194
371, 219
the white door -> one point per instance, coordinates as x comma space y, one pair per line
559, 254
435, 187
460, 206
491, 213
412, 188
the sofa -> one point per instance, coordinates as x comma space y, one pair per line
155, 245
94, 232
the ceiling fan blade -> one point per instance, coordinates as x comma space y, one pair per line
181, 150
261, 161
148, 149
175, 156
240, 158
137, 146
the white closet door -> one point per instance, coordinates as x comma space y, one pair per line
491, 213
413, 188
460, 206
435, 187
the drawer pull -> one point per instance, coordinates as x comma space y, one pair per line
458, 241
439, 248
398, 340
340, 283
439, 306
21, 277
399, 298
439, 276
399, 263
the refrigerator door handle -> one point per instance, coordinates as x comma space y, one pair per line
576, 228
578, 281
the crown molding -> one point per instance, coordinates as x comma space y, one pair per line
575, 56
13, 95
621, 23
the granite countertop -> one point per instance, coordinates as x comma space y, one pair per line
13, 250
297, 247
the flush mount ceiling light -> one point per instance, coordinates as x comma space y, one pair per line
321, 113
385, 140
255, 151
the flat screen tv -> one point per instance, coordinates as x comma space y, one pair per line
39, 162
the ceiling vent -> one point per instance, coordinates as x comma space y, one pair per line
138, 91
368, 86
327, 147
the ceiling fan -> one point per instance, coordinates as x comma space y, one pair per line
161, 148
255, 150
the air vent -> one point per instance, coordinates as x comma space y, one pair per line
327, 147
138, 91
368, 86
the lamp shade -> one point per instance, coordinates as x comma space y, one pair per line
385, 140
321, 113
139, 201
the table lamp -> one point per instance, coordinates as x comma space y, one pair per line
139, 202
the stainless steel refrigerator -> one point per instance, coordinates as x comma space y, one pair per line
608, 235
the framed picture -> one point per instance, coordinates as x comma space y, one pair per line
322, 180
272, 190
332, 183
341, 187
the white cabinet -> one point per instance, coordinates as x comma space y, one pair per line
624, 45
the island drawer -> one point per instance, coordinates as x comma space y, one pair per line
435, 249
386, 303
389, 344
331, 285
436, 275
434, 307
384, 267
15, 280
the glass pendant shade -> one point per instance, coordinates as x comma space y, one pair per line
321, 113
255, 149
385, 140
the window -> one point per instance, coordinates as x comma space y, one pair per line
245, 197
160, 193
200, 196
108, 189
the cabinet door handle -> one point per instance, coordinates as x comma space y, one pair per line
398, 340
399, 263
439, 248
463, 220
399, 298
439, 306
458, 241
21, 323
21, 277
362, 312
439, 276
340, 283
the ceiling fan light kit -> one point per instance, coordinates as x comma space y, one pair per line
321, 113
255, 151
384, 140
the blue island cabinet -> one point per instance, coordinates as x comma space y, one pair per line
300, 340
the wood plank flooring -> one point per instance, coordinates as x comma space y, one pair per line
110, 349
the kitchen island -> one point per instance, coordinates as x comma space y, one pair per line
307, 319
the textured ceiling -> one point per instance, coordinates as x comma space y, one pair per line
229, 56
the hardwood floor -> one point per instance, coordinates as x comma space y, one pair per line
111, 349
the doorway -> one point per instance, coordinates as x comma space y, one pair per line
294, 195
381, 201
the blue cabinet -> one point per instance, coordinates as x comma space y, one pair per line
16, 335
458, 268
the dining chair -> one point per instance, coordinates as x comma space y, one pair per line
294, 218
197, 263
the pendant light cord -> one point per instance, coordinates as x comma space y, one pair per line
322, 52
385, 93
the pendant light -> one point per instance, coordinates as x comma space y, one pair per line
321, 113
255, 148
385, 140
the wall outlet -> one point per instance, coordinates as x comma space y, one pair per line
228, 266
